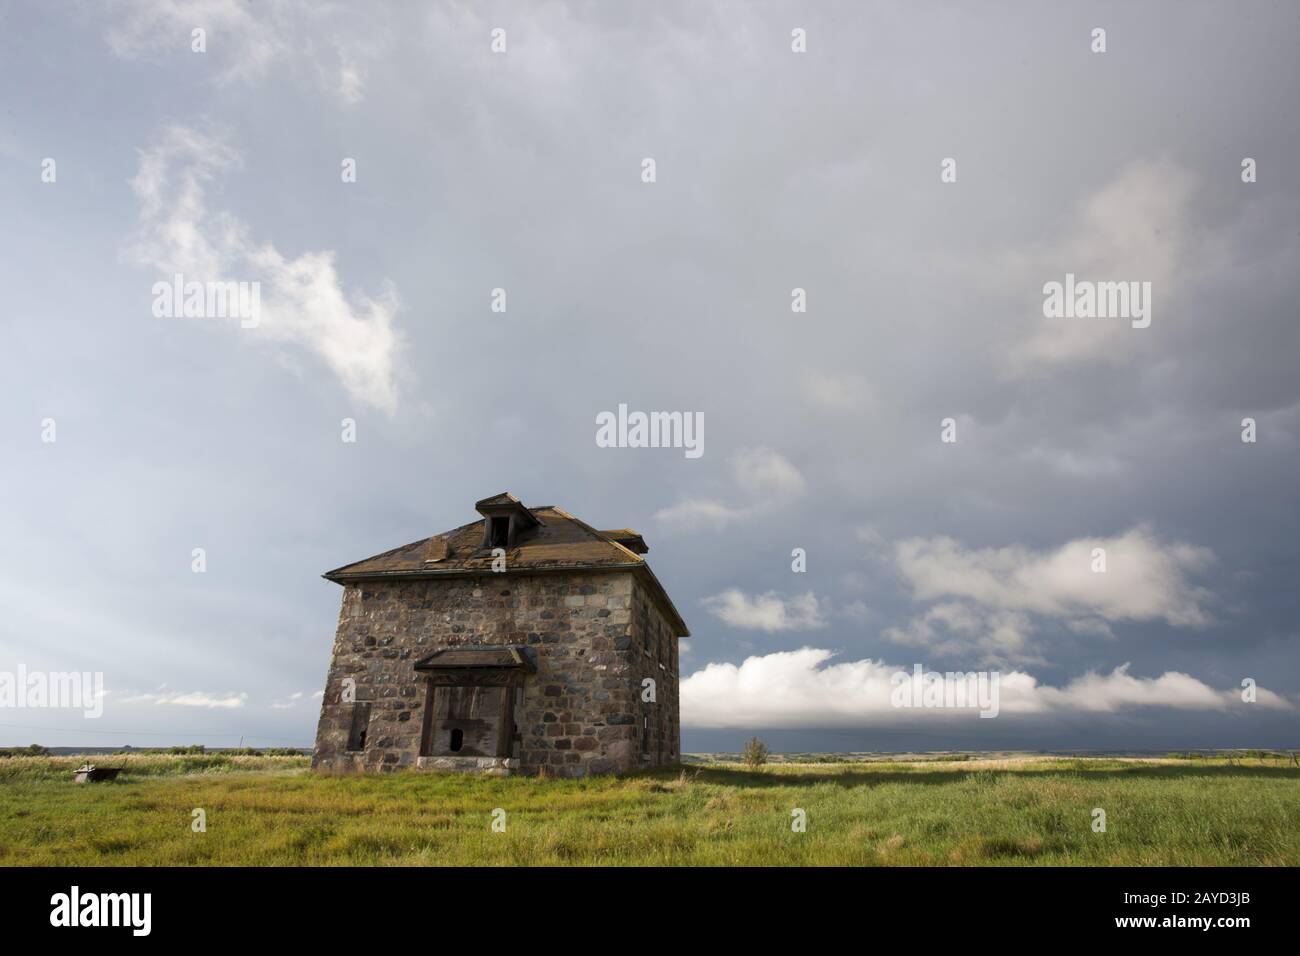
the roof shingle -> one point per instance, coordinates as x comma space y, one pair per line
560, 542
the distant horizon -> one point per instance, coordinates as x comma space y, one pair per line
1156, 751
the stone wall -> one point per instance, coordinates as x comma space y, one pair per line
594, 637
654, 656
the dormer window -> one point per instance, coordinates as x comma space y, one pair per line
506, 521
498, 532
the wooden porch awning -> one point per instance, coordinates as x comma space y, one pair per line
477, 657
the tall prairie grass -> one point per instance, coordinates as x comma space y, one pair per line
1005, 811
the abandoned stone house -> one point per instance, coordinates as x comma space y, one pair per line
526, 641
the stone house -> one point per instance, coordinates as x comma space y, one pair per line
526, 641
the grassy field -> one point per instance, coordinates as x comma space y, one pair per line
964, 810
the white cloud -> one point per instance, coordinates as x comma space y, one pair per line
765, 480
1132, 229
289, 702
767, 612
1146, 579
762, 473
245, 41
351, 79
302, 303
801, 689
195, 698
954, 628
836, 392
696, 513
1118, 690
989, 598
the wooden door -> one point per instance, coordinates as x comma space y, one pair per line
465, 721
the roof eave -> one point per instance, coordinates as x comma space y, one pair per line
341, 575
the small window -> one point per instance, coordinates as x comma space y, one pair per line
499, 533
457, 739
360, 723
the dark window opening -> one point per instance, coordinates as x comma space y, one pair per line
499, 533
457, 739
360, 723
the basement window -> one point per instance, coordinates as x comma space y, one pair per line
360, 723
457, 740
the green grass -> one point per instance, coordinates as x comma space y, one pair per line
272, 811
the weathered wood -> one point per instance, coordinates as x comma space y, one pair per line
470, 677
505, 726
426, 730
474, 712
89, 773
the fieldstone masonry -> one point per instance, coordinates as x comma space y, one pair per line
602, 696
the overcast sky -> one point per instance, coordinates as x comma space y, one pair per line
774, 170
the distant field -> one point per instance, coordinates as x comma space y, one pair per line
962, 809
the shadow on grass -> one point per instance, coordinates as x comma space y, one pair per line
739, 777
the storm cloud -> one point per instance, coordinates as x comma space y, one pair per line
776, 173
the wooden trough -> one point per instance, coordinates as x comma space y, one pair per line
89, 773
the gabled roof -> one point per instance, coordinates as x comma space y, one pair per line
559, 542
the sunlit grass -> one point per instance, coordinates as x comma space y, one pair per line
1014, 811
